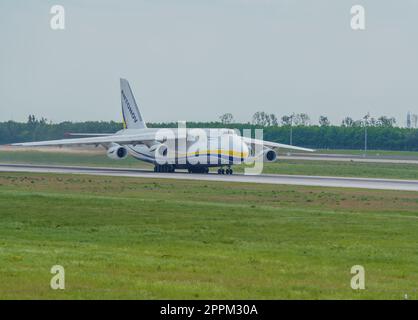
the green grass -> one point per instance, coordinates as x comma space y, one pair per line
343, 169
370, 152
294, 167
159, 239
67, 158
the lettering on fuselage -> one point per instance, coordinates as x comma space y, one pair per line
133, 115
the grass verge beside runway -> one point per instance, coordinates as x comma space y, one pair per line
369, 152
159, 239
343, 169
75, 158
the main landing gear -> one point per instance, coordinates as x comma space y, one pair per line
198, 170
204, 170
227, 171
164, 168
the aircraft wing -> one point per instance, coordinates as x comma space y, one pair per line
71, 134
115, 138
274, 144
141, 138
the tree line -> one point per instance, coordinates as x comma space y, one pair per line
382, 134
261, 118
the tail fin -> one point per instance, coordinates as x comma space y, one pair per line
131, 116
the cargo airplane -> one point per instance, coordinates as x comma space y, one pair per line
169, 149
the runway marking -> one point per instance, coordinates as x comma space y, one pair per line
319, 181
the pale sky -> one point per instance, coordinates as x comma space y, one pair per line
195, 60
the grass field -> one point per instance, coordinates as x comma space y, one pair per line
295, 167
159, 239
370, 152
96, 158
343, 169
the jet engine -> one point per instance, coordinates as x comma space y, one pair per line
269, 155
159, 150
117, 152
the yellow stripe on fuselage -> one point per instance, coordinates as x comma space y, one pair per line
229, 153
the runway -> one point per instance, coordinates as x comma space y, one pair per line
365, 183
351, 158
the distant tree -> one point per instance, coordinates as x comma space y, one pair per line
384, 121
323, 121
286, 120
226, 118
370, 121
266, 119
414, 120
305, 120
260, 118
257, 118
350, 136
273, 120
31, 119
366, 120
373, 122
301, 119
347, 122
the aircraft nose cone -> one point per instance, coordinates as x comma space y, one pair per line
245, 150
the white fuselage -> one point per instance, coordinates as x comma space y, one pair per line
199, 147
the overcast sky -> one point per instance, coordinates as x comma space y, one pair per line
195, 60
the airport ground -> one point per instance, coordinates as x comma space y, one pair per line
140, 238
158, 239
294, 166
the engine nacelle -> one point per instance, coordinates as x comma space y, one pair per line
269, 155
159, 150
117, 152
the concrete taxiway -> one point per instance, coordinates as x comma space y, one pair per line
351, 158
367, 183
